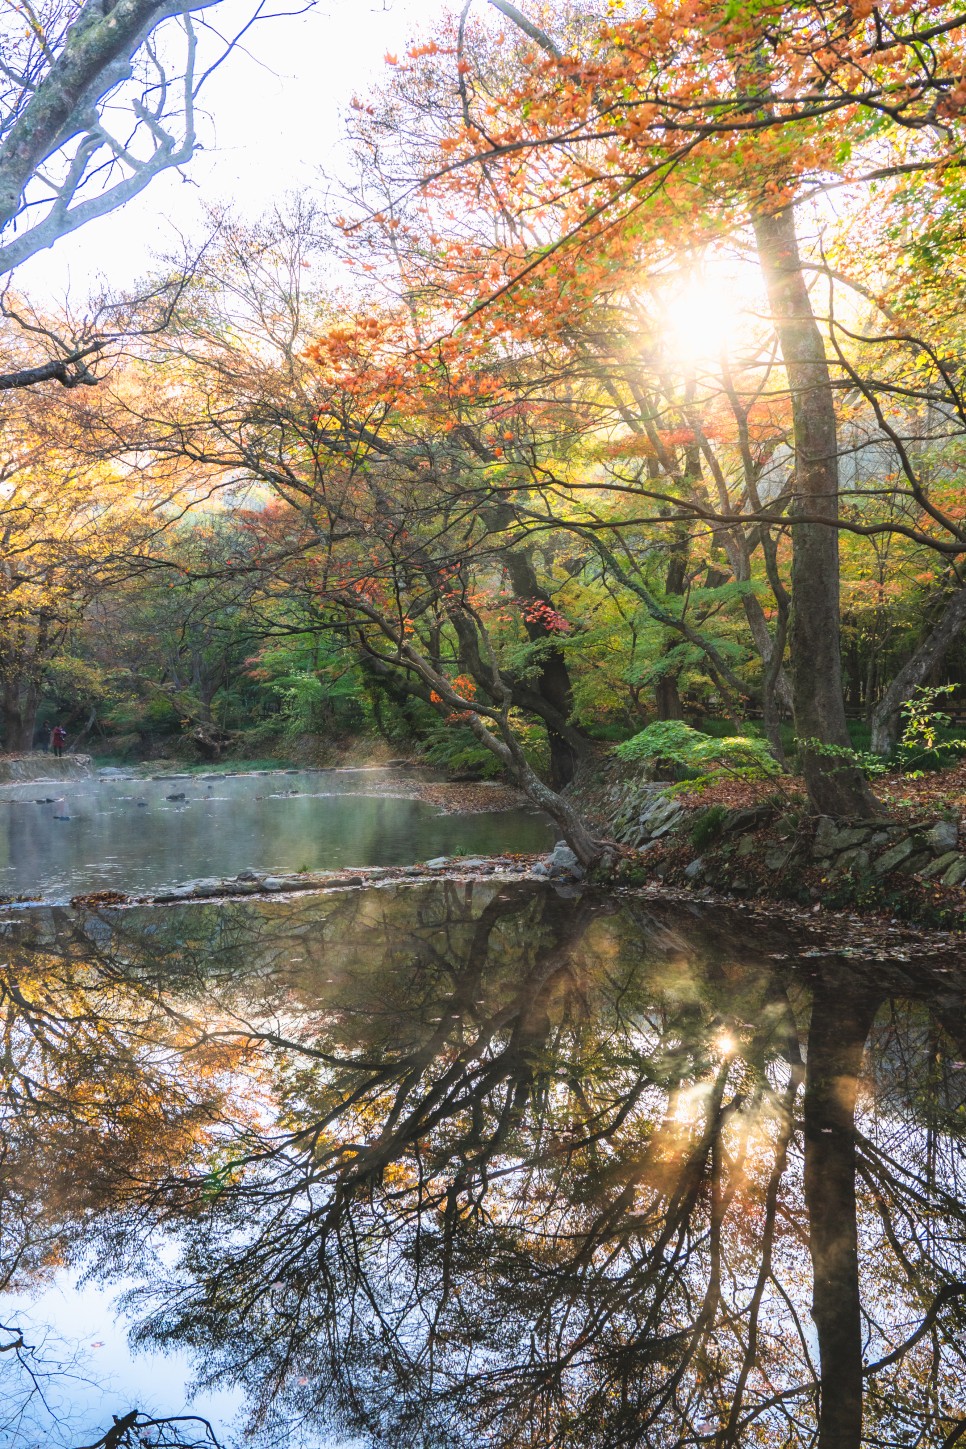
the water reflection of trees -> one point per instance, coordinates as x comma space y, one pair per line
551, 1173
107, 1084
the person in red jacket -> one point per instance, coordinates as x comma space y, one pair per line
58, 739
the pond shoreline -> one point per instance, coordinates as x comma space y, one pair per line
833, 932
756, 841
672, 848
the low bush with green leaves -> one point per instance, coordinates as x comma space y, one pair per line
677, 748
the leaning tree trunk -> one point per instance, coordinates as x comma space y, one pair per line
834, 786
884, 718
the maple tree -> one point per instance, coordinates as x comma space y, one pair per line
524, 494
707, 120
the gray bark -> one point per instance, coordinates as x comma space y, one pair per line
884, 718
835, 787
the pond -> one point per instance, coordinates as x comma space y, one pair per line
140, 835
474, 1164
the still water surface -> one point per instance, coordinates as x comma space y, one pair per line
128, 835
476, 1165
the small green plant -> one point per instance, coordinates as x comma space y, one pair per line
924, 741
923, 745
846, 758
708, 825
687, 752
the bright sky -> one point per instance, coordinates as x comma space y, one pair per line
275, 117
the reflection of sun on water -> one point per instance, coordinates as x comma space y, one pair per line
726, 1044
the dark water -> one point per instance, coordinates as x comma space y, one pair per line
126, 834
476, 1165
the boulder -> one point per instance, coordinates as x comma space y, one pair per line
749, 818
832, 837
943, 837
956, 873
563, 862
940, 866
855, 860
893, 857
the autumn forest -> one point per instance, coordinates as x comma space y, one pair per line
625, 386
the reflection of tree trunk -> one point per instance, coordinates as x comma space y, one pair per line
842, 1016
834, 787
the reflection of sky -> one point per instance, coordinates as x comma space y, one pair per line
78, 1329
224, 825
93, 1373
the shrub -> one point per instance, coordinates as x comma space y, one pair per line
689, 753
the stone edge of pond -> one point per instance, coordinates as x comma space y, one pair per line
904, 869
268, 885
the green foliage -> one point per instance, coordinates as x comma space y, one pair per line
925, 742
871, 765
686, 751
455, 749
708, 826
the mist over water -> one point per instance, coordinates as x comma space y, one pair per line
126, 834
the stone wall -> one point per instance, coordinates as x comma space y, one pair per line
916, 867
38, 766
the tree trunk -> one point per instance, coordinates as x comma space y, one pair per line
841, 1020
18, 726
834, 787
667, 696
589, 850
884, 718
553, 682
667, 700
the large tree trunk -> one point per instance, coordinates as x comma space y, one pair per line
552, 683
834, 787
19, 722
841, 1020
884, 718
